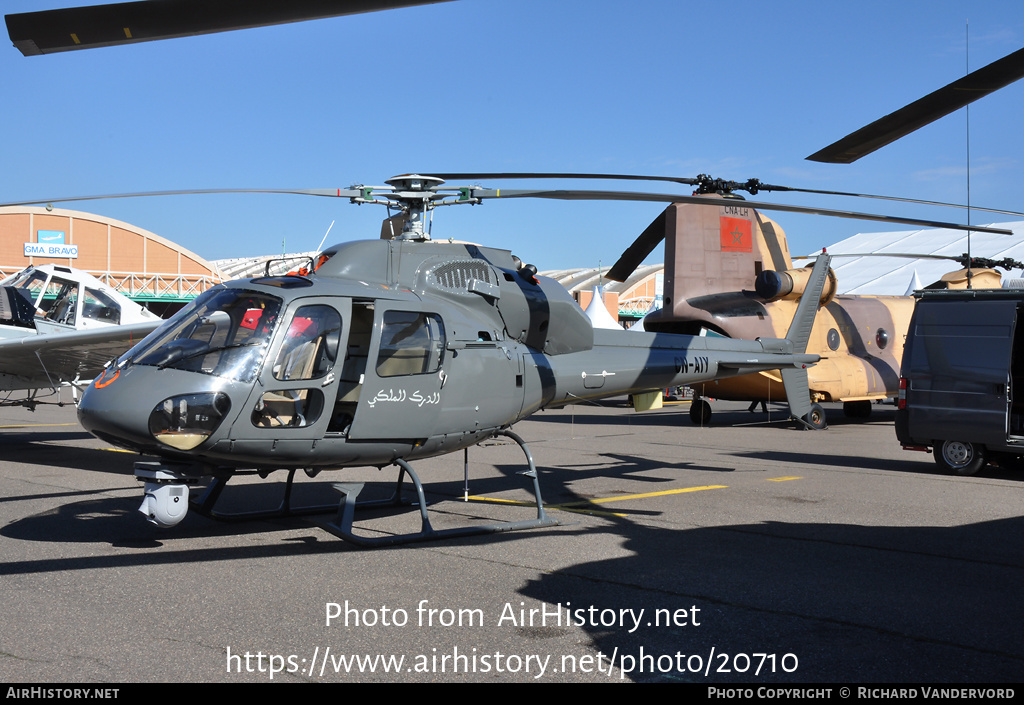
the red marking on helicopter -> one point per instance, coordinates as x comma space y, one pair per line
735, 234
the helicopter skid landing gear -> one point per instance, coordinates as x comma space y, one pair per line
342, 525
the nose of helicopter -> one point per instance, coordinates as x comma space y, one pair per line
143, 408
114, 410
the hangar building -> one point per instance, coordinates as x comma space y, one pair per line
142, 265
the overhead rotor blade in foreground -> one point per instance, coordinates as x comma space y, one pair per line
68, 29
933, 106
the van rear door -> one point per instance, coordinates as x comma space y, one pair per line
957, 370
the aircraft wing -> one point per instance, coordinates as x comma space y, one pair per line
44, 361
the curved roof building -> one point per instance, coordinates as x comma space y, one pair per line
136, 262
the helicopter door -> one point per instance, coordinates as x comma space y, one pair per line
299, 380
404, 375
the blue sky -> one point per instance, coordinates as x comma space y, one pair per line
737, 90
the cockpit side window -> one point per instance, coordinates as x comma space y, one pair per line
60, 300
99, 306
310, 346
411, 343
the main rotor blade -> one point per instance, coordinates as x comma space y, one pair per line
551, 175
957, 94
573, 195
331, 192
752, 186
964, 260
50, 31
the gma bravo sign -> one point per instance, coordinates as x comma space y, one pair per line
50, 244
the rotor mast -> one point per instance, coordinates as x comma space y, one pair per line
414, 195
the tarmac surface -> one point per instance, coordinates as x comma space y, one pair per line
757, 554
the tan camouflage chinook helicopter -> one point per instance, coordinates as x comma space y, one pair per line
735, 277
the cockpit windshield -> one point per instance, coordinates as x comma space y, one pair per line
30, 284
222, 332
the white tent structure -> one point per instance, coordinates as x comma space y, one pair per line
598, 314
880, 275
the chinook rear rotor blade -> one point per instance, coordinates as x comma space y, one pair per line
636, 253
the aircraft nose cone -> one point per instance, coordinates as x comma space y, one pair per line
115, 411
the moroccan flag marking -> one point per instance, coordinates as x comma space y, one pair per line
736, 234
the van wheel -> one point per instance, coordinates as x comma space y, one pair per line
700, 412
959, 457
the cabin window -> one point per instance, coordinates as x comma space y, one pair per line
289, 408
833, 339
311, 344
30, 284
410, 344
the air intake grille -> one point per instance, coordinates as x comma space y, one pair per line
457, 275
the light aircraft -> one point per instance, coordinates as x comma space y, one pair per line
387, 351
58, 326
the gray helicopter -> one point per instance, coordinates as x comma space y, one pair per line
387, 351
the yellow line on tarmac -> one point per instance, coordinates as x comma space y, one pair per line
573, 506
784, 479
640, 496
549, 506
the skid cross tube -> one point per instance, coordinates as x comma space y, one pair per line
342, 525
205, 504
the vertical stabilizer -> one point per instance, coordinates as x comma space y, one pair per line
795, 378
